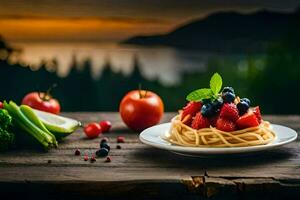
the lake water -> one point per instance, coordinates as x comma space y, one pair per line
162, 63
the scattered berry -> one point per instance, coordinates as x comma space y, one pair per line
105, 145
247, 120
119, 147
49, 161
228, 89
190, 109
256, 111
77, 152
104, 140
102, 152
108, 159
120, 139
92, 130
1, 105
229, 111
243, 107
200, 122
93, 159
246, 100
86, 158
105, 126
228, 97
225, 125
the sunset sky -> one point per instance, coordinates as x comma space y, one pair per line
112, 20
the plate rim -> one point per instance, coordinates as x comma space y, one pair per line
215, 150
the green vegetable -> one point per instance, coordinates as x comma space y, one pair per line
29, 127
28, 112
7, 138
207, 93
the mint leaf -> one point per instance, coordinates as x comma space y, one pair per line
215, 83
198, 95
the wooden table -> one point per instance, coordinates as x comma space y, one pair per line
142, 172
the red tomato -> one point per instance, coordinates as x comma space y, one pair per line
105, 126
141, 109
92, 130
42, 101
1, 105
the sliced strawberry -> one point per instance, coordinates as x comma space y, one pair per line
256, 111
225, 125
200, 122
191, 109
229, 111
247, 120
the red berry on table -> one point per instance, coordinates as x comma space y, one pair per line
229, 111
93, 158
77, 152
92, 130
1, 105
120, 139
108, 159
200, 122
86, 158
105, 126
225, 125
247, 120
190, 109
257, 113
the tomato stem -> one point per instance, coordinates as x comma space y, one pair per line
47, 96
140, 92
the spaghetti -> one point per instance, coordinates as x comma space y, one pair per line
184, 135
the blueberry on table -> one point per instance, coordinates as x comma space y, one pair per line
228, 97
242, 107
77, 152
105, 145
247, 101
228, 89
104, 140
102, 152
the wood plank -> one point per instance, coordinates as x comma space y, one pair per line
151, 172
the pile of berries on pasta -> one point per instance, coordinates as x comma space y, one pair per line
227, 112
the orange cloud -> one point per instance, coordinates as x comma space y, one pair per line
100, 29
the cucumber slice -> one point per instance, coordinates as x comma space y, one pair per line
58, 125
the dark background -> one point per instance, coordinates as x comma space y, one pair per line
254, 46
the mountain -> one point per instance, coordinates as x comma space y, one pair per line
225, 31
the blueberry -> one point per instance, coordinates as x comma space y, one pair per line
228, 97
104, 140
242, 107
207, 110
105, 145
228, 89
217, 104
246, 100
102, 152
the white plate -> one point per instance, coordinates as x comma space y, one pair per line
153, 137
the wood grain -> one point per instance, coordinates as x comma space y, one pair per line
141, 172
